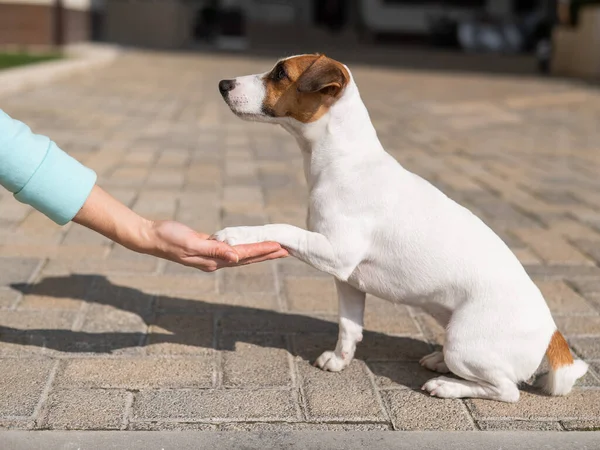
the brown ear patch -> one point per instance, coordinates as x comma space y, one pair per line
323, 74
304, 87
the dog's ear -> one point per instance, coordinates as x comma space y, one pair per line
323, 75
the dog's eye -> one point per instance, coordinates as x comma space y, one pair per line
279, 73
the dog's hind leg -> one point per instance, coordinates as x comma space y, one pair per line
444, 387
477, 359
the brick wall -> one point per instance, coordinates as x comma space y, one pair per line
23, 24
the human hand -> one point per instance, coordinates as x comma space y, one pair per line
179, 243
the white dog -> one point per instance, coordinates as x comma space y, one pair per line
381, 229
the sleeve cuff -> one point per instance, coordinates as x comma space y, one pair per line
59, 187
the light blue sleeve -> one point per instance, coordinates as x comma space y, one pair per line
40, 174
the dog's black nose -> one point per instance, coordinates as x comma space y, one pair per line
226, 85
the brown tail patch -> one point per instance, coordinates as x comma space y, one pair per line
558, 352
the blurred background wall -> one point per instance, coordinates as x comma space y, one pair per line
563, 35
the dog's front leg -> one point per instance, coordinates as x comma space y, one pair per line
351, 314
312, 248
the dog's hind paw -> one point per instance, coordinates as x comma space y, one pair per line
435, 361
444, 388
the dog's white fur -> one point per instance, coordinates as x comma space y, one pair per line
378, 228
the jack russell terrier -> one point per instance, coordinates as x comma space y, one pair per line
380, 229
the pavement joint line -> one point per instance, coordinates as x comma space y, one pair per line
127, 411
45, 393
376, 392
467, 410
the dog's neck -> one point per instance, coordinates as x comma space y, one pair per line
345, 132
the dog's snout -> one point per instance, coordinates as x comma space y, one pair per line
226, 85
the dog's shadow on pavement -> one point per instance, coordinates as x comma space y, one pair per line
198, 323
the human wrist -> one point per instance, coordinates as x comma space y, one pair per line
141, 236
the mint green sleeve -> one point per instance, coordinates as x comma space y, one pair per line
40, 174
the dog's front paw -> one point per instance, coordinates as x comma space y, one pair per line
238, 235
332, 362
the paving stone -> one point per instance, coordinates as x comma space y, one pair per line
346, 395
253, 278
255, 361
31, 320
14, 211
235, 303
16, 270
590, 247
581, 404
273, 322
561, 272
56, 292
42, 302
400, 375
551, 247
374, 346
172, 268
296, 268
180, 334
119, 253
574, 326
593, 374
70, 409
581, 425
526, 256
11, 424
136, 373
78, 235
562, 299
18, 343
38, 226
587, 286
586, 347
22, 382
166, 284
8, 298
166, 178
263, 404
107, 318
250, 219
389, 318
411, 410
311, 294
577, 232
61, 343
432, 330
518, 425
98, 267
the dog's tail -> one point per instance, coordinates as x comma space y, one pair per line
564, 371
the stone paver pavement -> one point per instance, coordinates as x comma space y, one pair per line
95, 337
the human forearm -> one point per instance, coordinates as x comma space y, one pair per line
104, 214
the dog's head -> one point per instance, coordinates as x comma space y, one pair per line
302, 88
